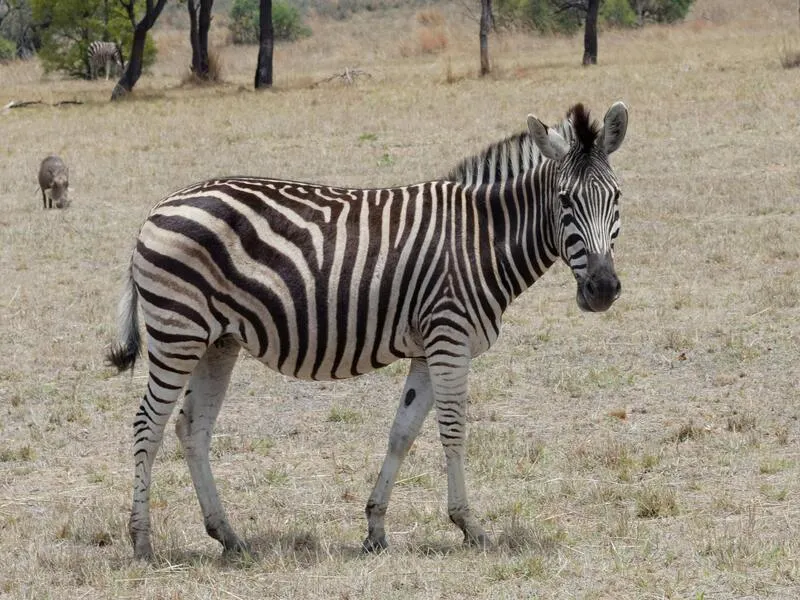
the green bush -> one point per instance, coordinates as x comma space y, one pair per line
8, 49
74, 24
16, 26
618, 13
567, 16
545, 16
662, 11
287, 22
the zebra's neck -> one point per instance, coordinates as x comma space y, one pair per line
521, 225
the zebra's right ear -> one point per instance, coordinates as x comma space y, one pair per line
547, 139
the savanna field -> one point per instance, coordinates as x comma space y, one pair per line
652, 451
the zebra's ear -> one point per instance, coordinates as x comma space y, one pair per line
615, 124
547, 139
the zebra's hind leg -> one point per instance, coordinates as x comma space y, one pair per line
449, 374
194, 425
415, 405
164, 385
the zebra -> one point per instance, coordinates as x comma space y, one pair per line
324, 283
104, 55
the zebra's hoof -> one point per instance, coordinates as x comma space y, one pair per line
374, 546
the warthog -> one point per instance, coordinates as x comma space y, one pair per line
54, 182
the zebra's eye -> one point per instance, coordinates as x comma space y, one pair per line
564, 197
617, 194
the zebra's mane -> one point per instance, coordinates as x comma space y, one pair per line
585, 130
507, 158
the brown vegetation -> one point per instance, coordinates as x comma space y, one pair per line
693, 494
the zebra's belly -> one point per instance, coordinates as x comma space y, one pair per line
336, 360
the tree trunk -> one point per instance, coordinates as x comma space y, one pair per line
486, 25
590, 34
194, 36
134, 69
266, 44
205, 24
198, 35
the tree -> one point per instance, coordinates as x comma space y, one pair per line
17, 27
487, 21
590, 33
266, 45
134, 68
199, 25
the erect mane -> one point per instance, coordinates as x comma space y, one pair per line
586, 130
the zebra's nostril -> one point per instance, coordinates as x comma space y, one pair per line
618, 289
589, 288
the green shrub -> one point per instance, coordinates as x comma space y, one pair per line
662, 11
565, 16
74, 24
287, 22
8, 49
618, 13
546, 16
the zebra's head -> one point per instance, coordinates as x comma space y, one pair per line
585, 197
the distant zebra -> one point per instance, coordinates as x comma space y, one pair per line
322, 282
104, 55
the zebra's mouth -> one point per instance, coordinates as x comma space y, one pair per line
593, 298
600, 287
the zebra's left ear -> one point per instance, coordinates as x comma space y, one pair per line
615, 124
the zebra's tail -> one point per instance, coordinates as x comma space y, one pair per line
124, 353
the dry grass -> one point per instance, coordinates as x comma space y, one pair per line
694, 493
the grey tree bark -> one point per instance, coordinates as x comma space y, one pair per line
199, 25
590, 33
487, 21
266, 45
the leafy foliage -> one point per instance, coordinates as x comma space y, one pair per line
8, 49
567, 16
69, 26
618, 13
661, 11
16, 27
287, 22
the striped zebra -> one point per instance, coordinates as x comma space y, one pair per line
104, 55
325, 283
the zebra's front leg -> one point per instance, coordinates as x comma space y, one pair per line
194, 426
415, 405
449, 377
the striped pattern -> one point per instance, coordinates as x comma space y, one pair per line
504, 160
104, 55
321, 282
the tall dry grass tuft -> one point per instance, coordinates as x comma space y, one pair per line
432, 40
431, 35
789, 55
215, 69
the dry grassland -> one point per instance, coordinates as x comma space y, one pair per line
650, 452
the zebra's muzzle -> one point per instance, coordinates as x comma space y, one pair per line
600, 287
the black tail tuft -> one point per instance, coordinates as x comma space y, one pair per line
123, 356
124, 353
